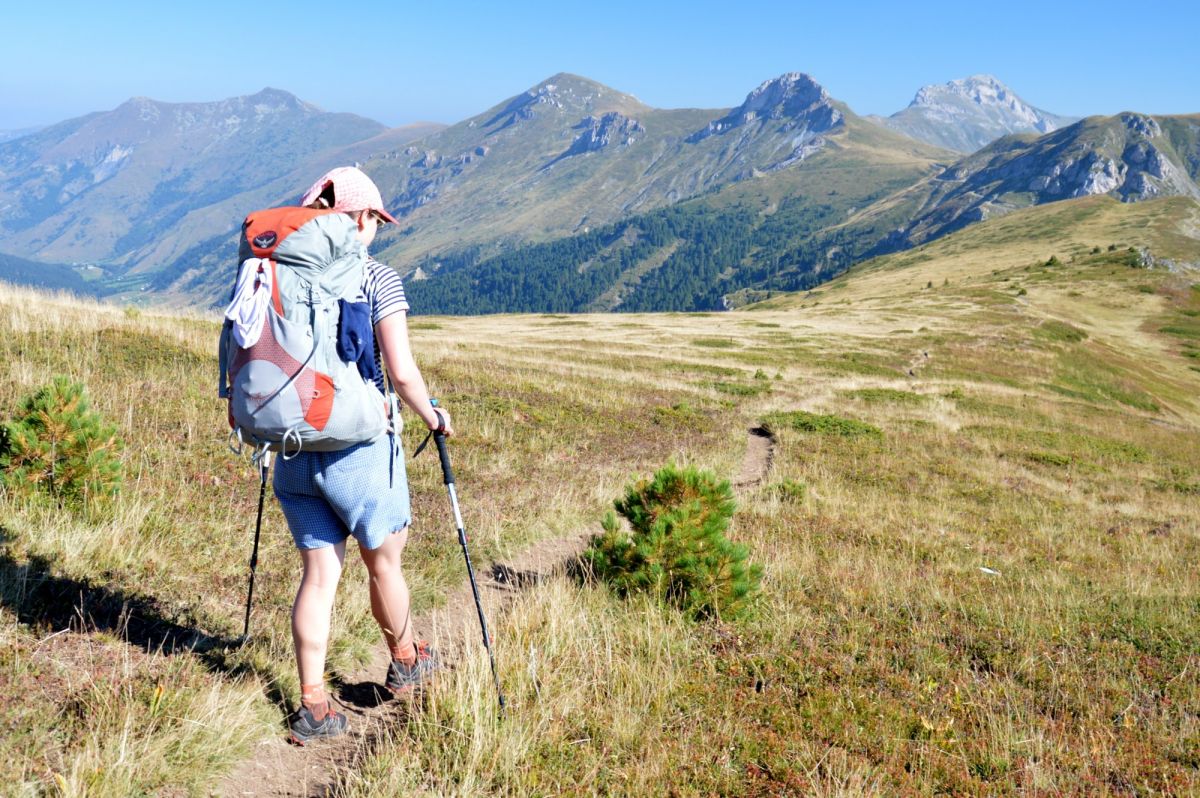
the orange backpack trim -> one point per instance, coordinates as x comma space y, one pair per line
275, 300
264, 230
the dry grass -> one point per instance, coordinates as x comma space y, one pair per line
996, 595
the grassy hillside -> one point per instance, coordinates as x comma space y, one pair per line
986, 586
777, 232
1168, 229
44, 275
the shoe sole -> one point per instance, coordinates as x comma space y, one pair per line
297, 740
303, 741
408, 690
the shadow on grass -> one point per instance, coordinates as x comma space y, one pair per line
42, 599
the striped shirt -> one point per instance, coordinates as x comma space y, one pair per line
385, 292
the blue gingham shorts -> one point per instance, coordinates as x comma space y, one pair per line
360, 491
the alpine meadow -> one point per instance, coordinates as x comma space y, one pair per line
800, 452
977, 528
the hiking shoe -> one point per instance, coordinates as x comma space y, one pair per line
304, 728
402, 678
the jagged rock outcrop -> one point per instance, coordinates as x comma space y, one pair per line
795, 98
522, 106
596, 133
1131, 157
429, 159
1128, 164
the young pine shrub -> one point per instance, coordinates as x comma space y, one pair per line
57, 445
676, 548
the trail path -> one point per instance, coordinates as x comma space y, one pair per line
278, 769
760, 450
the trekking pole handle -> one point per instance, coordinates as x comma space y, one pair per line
439, 438
447, 474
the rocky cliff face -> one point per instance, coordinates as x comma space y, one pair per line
1131, 157
969, 113
794, 99
596, 133
523, 105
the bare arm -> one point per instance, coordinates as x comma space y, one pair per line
392, 334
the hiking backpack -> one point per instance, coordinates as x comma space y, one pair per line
288, 386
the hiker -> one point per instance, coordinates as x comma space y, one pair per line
360, 490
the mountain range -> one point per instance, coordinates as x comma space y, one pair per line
572, 195
127, 188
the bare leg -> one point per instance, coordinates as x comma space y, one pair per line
313, 607
389, 594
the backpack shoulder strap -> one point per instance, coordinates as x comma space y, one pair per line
275, 299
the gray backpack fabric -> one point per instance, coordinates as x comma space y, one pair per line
289, 389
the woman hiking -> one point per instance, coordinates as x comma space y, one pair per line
360, 491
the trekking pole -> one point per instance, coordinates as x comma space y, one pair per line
264, 465
439, 438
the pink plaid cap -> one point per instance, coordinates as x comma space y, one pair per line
352, 191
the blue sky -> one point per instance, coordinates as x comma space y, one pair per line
406, 61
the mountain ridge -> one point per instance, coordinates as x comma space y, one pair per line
778, 192
99, 187
1129, 156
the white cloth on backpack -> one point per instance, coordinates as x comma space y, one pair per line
251, 297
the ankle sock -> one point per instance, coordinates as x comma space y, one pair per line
313, 698
406, 654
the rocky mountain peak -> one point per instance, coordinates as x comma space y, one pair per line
794, 97
270, 95
787, 95
969, 113
277, 100
982, 95
1142, 125
562, 92
979, 89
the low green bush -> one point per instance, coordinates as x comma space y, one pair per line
738, 389
1049, 458
675, 547
892, 395
1182, 330
58, 446
822, 424
790, 491
1059, 331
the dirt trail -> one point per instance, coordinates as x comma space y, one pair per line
760, 451
278, 769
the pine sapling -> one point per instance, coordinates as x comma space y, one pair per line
676, 547
57, 445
